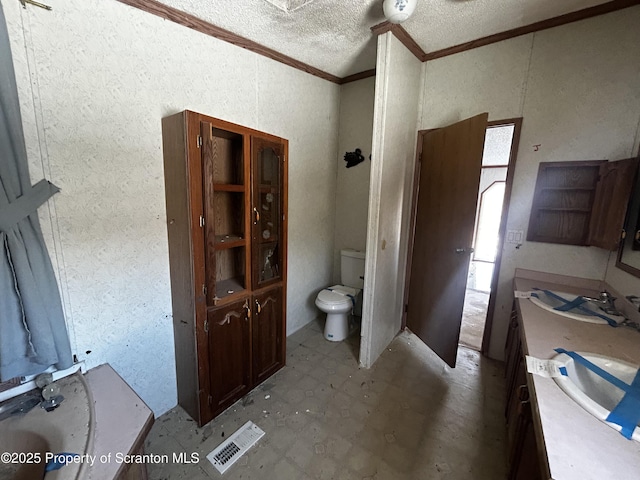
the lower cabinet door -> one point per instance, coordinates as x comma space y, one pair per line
267, 332
526, 466
229, 354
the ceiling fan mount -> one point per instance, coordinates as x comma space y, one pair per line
397, 11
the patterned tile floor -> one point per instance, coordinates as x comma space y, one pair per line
408, 417
474, 317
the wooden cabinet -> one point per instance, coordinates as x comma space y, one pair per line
229, 353
267, 334
226, 198
581, 203
524, 456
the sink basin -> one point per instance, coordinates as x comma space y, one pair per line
24, 442
67, 429
592, 392
585, 312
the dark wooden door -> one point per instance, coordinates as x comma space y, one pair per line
267, 334
229, 353
267, 199
443, 234
610, 204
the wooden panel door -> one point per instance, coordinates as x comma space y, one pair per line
610, 203
268, 208
267, 334
229, 354
443, 234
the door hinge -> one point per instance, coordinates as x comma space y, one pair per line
406, 308
210, 400
420, 158
199, 141
206, 326
201, 221
204, 290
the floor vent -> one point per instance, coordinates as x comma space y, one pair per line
229, 451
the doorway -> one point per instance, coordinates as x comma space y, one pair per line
486, 232
449, 167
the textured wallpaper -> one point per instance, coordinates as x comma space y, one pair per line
352, 195
576, 87
95, 79
394, 141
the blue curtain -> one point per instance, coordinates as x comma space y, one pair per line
33, 333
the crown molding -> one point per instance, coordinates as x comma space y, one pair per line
195, 23
578, 15
401, 34
191, 21
358, 76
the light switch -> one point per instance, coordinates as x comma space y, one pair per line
515, 236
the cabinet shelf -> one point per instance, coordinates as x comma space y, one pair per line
564, 209
227, 187
569, 189
272, 239
228, 287
229, 241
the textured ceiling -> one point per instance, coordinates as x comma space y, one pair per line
335, 36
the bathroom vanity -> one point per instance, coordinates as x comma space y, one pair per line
226, 198
101, 422
550, 435
122, 423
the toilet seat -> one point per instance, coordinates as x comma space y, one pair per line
337, 302
337, 295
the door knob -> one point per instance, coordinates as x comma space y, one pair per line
463, 250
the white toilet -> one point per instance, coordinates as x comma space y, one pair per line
338, 301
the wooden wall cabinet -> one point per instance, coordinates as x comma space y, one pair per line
581, 203
226, 198
525, 457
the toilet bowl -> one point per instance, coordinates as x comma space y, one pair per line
337, 302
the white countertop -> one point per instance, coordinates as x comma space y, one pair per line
578, 446
123, 420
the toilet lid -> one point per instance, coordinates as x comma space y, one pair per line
337, 294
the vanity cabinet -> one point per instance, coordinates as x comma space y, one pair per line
226, 199
523, 454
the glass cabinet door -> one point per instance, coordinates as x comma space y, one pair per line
267, 212
223, 196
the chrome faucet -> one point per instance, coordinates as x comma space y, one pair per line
606, 302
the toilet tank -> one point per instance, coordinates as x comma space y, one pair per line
352, 268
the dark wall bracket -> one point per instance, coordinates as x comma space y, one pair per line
354, 158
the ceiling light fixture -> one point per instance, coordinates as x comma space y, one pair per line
397, 11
